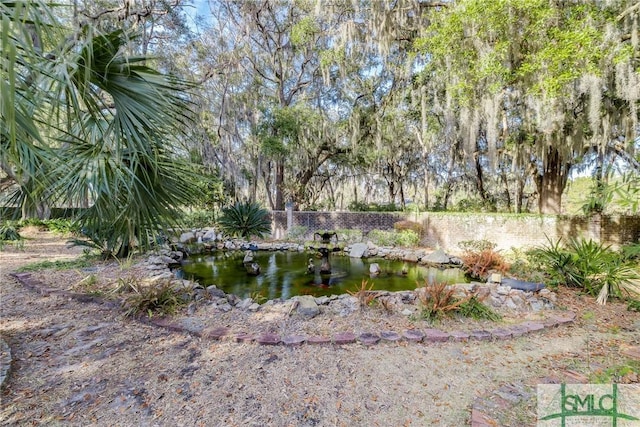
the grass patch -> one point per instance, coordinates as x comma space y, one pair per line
56, 265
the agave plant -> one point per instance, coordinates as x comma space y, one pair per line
85, 124
245, 220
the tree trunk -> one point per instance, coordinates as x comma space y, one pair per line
551, 183
279, 205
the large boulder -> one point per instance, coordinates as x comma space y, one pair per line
307, 306
358, 250
437, 257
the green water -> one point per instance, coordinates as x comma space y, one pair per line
285, 274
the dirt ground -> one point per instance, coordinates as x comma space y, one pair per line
85, 364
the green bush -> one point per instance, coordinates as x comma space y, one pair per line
348, 235
200, 219
589, 265
297, 232
9, 232
245, 220
393, 238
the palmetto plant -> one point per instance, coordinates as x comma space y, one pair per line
596, 268
82, 123
245, 220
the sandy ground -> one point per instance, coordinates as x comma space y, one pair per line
84, 364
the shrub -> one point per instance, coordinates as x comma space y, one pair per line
480, 258
365, 295
200, 219
475, 309
348, 235
416, 227
589, 265
9, 232
297, 232
245, 220
438, 299
393, 238
159, 298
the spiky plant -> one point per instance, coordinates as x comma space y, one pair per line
245, 220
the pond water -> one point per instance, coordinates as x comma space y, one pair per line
284, 274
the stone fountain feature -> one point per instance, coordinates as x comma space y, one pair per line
324, 251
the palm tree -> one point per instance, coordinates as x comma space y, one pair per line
82, 123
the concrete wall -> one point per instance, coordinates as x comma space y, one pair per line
446, 230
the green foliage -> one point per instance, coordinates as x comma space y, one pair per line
200, 219
476, 245
633, 305
600, 196
405, 238
373, 207
297, 232
82, 262
245, 220
475, 309
9, 232
616, 374
589, 265
111, 113
348, 235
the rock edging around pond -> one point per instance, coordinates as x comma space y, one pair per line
367, 338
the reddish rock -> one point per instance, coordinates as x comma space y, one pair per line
480, 419
413, 335
481, 335
215, 333
320, 339
294, 340
518, 330
244, 337
268, 339
369, 338
435, 335
344, 338
459, 336
533, 326
390, 336
501, 334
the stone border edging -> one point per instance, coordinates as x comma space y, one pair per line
5, 361
366, 338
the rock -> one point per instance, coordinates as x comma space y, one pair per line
209, 236
307, 306
358, 250
437, 257
225, 307
254, 307
407, 312
374, 269
215, 292
245, 304
248, 257
410, 257
188, 237
503, 290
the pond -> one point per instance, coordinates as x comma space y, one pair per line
284, 274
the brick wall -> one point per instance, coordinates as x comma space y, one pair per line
446, 230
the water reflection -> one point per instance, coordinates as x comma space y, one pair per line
286, 274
